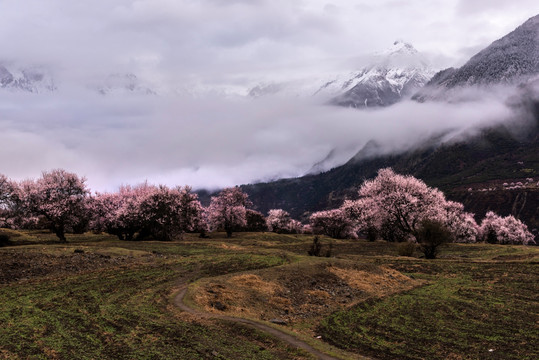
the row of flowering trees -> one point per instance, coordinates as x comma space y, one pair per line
146, 210
61, 201
395, 207
391, 206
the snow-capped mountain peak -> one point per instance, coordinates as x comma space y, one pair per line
401, 55
389, 76
395, 73
399, 47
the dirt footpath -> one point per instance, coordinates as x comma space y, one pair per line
178, 300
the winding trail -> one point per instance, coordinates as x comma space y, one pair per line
178, 301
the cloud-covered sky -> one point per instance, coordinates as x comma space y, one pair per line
172, 40
214, 141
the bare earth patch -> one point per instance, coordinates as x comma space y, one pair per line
299, 292
379, 283
26, 264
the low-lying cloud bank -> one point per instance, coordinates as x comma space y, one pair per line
209, 142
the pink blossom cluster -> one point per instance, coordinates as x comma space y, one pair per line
61, 201
279, 221
399, 203
529, 183
147, 210
58, 196
394, 207
228, 210
505, 230
391, 206
333, 223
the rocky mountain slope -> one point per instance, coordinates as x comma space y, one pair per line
389, 77
508, 61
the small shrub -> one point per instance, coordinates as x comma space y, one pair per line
256, 221
406, 248
430, 236
4, 240
316, 247
330, 250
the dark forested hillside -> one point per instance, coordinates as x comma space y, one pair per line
465, 170
496, 169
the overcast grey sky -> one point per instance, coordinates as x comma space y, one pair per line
171, 40
212, 141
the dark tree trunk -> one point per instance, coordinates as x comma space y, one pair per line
60, 232
371, 233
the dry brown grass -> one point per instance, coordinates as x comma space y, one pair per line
241, 294
298, 292
380, 283
230, 247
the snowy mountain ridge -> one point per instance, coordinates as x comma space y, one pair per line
121, 84
33, 79
396, 74
391, 75
39, 80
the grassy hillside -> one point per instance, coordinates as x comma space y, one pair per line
116, 303
97, 297
467, 310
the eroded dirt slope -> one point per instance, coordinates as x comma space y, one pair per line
299, 292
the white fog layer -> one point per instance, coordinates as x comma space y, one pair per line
209, 142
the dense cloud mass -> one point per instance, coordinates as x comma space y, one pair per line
208, 142
223, 41
203, 138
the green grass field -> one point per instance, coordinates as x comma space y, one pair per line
473, 311
114, 300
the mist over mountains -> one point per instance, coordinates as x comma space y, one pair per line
388, 77
33, 80
478, 167
124, 126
